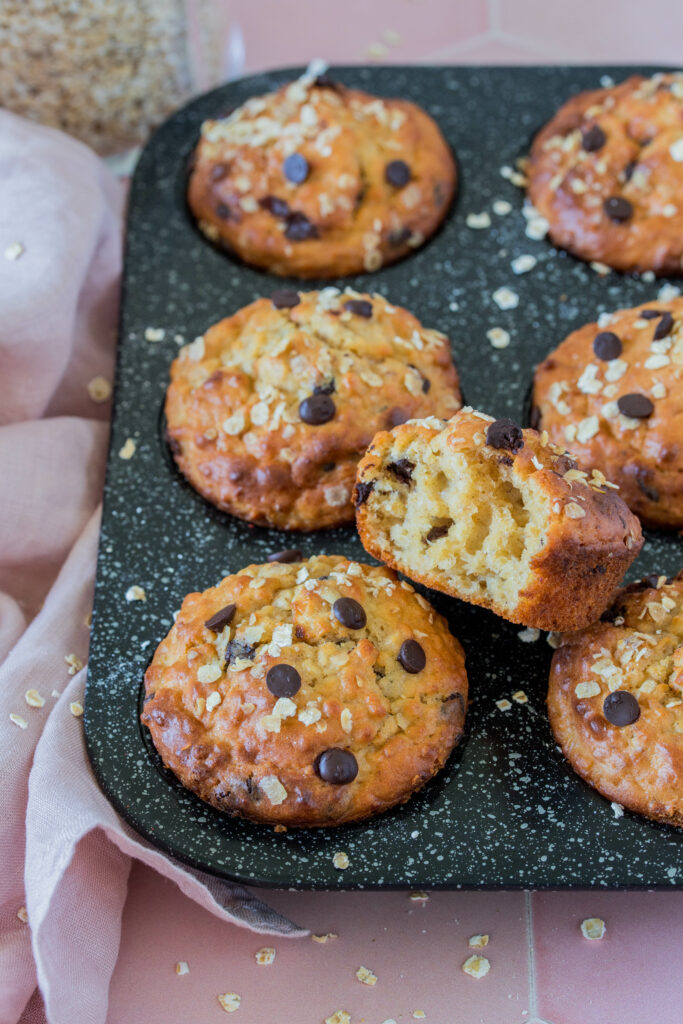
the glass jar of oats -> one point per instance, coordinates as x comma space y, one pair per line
108, 71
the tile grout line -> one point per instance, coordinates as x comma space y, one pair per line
533, 1005
533, 998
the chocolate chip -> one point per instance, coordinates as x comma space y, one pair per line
621, 708
395, 417
317, 409
299, 228
327, 388
349, 613
336, 766
426, 384
651, 581
637, 406
607, 346
360, 307
650, 314
397, 173
325, 82
664, 326
283, 680
285, 298
505, 434
402, 469
218, 172
505, 460
222, 618
223, 211
238, 649
278, 207
412, 656
618, 209
362, 492
437, 532
399, 236
650, 492
288, 555
295, 168
593, 138
629, 169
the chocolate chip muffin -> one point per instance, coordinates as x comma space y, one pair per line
306, 693
317, 180
497, 516
616, 700
613, 391
607, 174
269, 412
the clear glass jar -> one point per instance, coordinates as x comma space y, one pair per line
109, 71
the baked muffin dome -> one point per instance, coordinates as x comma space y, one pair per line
613, 392
317, 180
307, 693
268, 413
607, 174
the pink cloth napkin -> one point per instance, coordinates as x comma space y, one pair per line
64, 853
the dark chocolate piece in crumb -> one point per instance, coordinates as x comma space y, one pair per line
222, 618
402, 469
437, 532
506, 435
362, 492
238, 649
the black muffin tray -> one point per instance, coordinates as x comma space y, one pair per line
507, 811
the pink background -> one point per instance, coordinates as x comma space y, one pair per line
542, 969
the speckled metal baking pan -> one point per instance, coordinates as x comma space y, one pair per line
507, 811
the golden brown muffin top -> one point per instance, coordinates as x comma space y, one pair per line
270, 411
607, 174
238, 727
613, 392
616, 699
320, 180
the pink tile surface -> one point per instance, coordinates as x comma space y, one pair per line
277, 33
416, 951
604, 30
631, 976
627, 976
